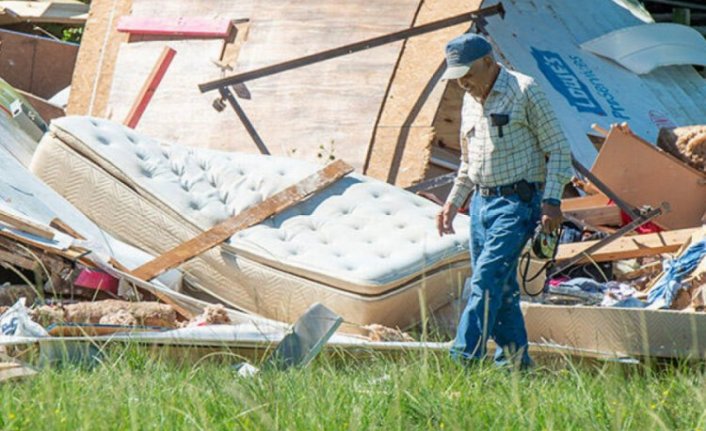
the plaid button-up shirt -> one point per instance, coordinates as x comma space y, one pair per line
493, 155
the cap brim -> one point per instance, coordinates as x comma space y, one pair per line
455, 72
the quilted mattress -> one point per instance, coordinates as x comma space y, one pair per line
365, 249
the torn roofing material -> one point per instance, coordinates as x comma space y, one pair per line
543, 38
643, 48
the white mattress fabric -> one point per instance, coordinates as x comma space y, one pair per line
23, 193
361, 247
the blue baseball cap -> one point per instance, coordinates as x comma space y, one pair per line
462, 51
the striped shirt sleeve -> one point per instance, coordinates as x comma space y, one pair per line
551, 140
462, 184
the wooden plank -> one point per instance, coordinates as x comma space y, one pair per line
59, 225
16, 260
631, 246
149, 87
251, 216
589, 201
182, 26
93, 75
596, 216
641, 174
25, 225
277, 32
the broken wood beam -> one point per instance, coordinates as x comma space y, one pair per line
149, 87
630, 247
61, 226
250, 217
25, 225
353, 47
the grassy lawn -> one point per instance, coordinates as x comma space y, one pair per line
131, 390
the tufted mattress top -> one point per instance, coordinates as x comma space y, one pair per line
360, 235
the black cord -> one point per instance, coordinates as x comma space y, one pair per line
525, 260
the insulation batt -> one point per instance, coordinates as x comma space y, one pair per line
688, 144
108, 312
215, 314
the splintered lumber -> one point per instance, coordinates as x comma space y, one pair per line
182, 26
630, 247
251, 216
149, 87
60, 225
25, 225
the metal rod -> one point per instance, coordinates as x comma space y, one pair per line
639, 221
629, 209
227, 95
351, 48
433, 183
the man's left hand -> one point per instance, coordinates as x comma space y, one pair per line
551, 217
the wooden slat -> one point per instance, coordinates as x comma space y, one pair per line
588, 201
183, 26
149, 87
596, 216
251, 216
630, 247
60, 225
25, 225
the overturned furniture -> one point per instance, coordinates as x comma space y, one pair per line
365, 249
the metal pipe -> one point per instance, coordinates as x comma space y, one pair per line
351, 48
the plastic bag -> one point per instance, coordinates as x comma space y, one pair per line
16, 321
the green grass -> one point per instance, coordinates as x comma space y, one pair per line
131, 390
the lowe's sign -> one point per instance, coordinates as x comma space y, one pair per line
565, 81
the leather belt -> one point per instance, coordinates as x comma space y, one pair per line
508, 189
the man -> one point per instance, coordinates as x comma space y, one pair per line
516, 160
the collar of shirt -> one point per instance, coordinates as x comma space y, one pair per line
500, 86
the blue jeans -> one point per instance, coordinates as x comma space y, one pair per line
500, 227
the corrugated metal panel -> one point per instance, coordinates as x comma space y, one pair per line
541, 38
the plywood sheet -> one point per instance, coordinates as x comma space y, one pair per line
323, 110
414, 97
93, 75
641, 174
178, 112
34, 64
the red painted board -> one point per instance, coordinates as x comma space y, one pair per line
150, 86
193, 27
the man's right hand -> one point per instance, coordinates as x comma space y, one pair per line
445, 218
